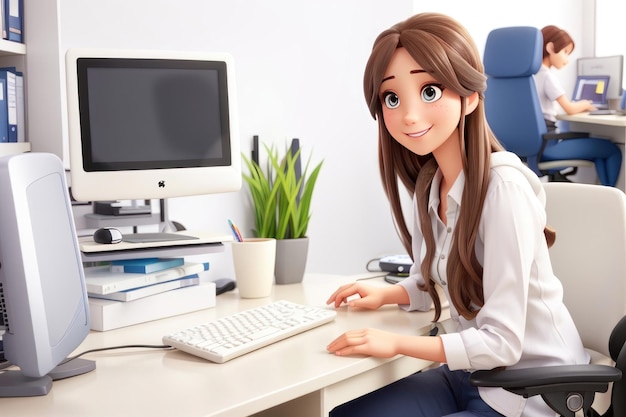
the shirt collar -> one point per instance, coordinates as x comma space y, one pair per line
455, 193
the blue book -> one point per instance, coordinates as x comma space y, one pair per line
145, 265
100, 279
148, 290
13, 19
9, 92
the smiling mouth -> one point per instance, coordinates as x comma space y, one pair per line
418, 134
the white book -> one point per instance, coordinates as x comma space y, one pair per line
148, 290
101, 280
110, 314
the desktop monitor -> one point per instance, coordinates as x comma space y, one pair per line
43, 298
611, 66
147, 124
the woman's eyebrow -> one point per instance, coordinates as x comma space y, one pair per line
391, 77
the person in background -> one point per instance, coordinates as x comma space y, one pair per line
479, 233
557, 47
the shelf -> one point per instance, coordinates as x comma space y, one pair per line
95, 221
12, 148
8, 48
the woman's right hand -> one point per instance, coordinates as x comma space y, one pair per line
369, 297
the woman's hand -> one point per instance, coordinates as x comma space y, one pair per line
372, 342
382, 344
370, 297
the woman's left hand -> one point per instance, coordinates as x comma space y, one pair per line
371, 342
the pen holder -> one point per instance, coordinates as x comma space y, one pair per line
254, 260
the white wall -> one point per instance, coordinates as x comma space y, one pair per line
480, 17
299, 74
610, 38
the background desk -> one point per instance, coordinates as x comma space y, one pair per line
612, 127
295, 377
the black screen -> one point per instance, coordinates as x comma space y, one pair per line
152, 114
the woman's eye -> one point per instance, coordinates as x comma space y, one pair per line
391, 100
431, 93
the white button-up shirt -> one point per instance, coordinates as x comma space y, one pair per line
523, 322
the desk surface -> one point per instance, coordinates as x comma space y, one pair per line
607, 120
169, 382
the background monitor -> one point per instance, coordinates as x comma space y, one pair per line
591, 87
613, 66
147, 124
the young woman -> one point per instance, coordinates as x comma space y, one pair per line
557, 46
479, 232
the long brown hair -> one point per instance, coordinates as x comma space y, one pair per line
446, 51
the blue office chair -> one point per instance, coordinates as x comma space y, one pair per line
512, 56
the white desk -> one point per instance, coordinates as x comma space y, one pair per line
612, 127
295, 377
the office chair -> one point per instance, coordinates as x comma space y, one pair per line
589, 259
512, 56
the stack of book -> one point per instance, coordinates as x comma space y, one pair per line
133, 291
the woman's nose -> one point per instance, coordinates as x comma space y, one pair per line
411, 114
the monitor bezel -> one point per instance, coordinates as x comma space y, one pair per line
153, 179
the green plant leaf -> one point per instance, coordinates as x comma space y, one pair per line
281, 201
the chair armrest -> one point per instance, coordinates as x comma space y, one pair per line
533, 381
565, 135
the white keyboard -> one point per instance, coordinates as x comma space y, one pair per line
228, 337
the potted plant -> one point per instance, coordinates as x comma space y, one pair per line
281, 197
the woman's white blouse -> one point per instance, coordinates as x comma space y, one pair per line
523, 322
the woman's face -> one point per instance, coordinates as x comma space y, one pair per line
559, 59
418, 111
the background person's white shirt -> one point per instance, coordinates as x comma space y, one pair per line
548, 89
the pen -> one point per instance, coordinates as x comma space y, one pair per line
235, 230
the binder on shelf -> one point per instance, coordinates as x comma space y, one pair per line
149, 290
4, 116
13, 19
3, 20
21, 109
100, 279
8, 76
145, 265
110, 314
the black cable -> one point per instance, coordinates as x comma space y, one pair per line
367, 265
71, 358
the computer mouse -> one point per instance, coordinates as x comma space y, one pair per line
223, 285
107, 235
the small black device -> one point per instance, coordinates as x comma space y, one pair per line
223, 285
396, 264
107, 235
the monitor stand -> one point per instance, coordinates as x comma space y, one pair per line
14, 384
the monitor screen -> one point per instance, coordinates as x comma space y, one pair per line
611, 66
591, 87
151, 124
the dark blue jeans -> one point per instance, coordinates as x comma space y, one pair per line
437, 392
606, 155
